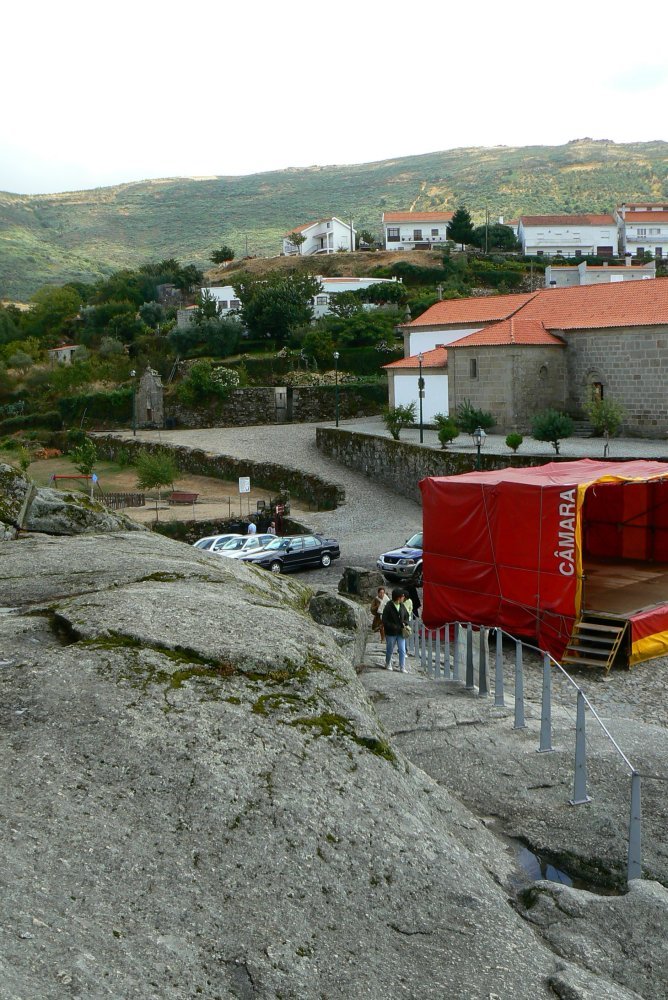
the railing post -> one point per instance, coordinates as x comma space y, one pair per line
446, 649
546, 708
483, 689
455, 655
420, 646
430, 654
499, 701
519, 688
580, 779
469, 657
438, 654
635, 843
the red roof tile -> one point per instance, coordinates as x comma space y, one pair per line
485, 309
567, 220
623, 303
437, 358
640, 218
529, 332
307, 225
417, 216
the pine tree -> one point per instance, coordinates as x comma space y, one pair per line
460, 227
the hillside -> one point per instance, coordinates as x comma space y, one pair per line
83, 235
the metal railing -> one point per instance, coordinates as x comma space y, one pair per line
451, 653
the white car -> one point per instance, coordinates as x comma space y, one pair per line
214, 543
244, 545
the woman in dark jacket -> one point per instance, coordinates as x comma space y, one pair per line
395, 617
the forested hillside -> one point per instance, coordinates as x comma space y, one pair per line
88, 234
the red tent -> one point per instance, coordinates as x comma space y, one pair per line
515, 547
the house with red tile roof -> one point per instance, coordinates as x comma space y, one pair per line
415, 230
514, 355
568, 235
324, 236
644, 229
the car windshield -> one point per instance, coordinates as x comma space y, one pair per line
235, 543
204, 543
415, 541
277, 543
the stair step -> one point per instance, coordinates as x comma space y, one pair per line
582, 661
597, 650
598, 628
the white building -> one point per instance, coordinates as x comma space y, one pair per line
415, 230
325, 236
643, 229
403, 389
63, 355
568, 235
333, 286
225, 296
569, 275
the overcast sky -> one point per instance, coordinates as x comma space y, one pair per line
97, 93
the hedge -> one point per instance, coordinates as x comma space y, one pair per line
109, 407
50, 419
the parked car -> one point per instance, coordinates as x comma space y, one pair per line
244, 545
213, 543
403, 565
295, 552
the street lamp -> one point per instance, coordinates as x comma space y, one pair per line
133, 375
336, 385
421, 392
478, 440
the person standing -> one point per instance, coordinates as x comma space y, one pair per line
252, 528
412, 592
271, 530
377, 608
395, 619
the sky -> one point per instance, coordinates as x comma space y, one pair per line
100, 93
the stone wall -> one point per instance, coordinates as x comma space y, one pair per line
630, 363
512, 384
257, 405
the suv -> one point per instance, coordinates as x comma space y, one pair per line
405, 564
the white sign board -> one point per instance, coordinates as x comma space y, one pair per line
244, 484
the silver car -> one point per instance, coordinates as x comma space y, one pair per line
213, 543
244, 545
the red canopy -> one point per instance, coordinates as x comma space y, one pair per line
506, 547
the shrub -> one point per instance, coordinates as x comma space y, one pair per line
401, 416
550, 425
50, 419
514, 440
469, 418
447, 429
84, 457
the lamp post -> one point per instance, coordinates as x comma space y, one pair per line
336, 385
133, 375
478, 440
421, 393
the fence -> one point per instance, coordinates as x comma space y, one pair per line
117, 501
447, 653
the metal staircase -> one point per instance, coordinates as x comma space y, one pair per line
595, 641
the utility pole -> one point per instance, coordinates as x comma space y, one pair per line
486, 227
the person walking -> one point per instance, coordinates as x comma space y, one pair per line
412, 593
395, 620
377, 608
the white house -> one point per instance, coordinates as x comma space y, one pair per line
333, 286
225, 297
447, 321
569, 275
568, 235
402, 383
643, 229
324, 236
415, 230
63, 355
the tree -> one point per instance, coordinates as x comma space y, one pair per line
218, 337
275, 306
345, 304
222, 255
366, 237
460, 227
494, 237
513, 441
53, 311
384, 292
552, 426
20, 360
605, 416
84, 457
155, 470
110, 348
396, 419
297, 240
8, 328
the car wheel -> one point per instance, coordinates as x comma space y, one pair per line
276, 567
418, 578
325, 559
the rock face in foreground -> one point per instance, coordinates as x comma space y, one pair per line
199, 801
54, 512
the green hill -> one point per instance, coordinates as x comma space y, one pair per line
87, 234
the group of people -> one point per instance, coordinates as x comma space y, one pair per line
392, 617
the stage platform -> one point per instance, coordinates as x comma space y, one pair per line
632, 591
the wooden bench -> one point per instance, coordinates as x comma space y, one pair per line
179, 497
